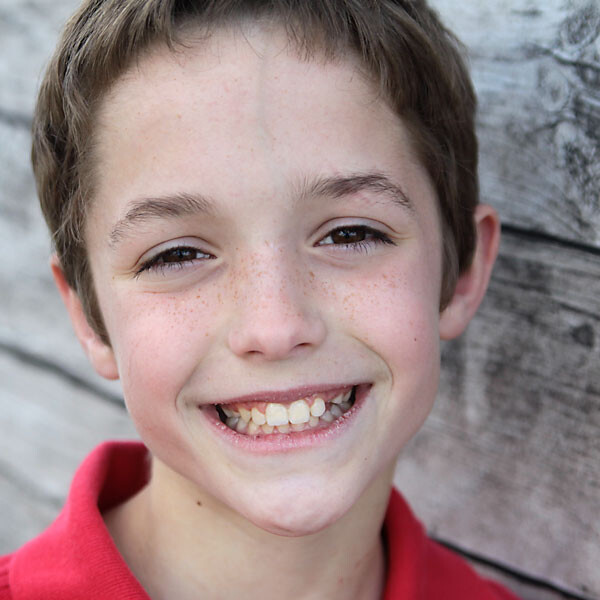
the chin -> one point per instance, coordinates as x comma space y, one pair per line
296, 514
295, 524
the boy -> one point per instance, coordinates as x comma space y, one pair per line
265, 217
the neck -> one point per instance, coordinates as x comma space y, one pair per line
180, 547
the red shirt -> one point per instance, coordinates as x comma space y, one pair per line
76, 559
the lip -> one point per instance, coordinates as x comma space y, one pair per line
285, 396
286, 442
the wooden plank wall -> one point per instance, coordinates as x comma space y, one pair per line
508, 465
507, 468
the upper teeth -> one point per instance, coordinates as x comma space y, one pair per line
276, 414
258, 417
318, 407
298, 413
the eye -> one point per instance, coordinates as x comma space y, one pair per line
177, 257
355, 237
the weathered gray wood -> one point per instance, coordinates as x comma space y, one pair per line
35, 318
37, 466
47, 426
536, 67
508, 465
487, 472
521, 173
525, 591
537, 72
28, 33
36, 321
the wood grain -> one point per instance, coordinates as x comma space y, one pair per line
28, 33
536, 67
524, 590
48, 426
36, 321
506, 466
508, 463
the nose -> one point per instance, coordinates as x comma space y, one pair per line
275, 315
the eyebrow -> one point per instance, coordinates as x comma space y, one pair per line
183, 205
342, 186
143, 210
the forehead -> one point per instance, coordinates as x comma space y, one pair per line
246, 105
246, 61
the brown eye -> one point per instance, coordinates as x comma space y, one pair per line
174, 258
349, 235
355, 237
178, 255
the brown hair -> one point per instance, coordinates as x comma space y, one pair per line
402, 45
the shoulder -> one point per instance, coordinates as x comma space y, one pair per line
451, 573
75, 556
4, 577
419, 567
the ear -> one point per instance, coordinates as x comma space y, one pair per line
472, 284
100, 354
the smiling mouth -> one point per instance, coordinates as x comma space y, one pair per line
313, 412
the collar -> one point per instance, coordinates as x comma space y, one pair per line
76, 558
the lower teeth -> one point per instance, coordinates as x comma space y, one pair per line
333, 412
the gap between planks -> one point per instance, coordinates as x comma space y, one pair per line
535, 235
44, 364
15, 119
507, 574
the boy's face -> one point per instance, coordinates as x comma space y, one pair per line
309, 260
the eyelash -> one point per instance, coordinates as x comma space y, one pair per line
363, 245
377, 237
155, 264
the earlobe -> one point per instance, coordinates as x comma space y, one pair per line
99, 353
473, 282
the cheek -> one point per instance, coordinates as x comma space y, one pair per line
395, 315
395, 308
401, 328
158, 341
